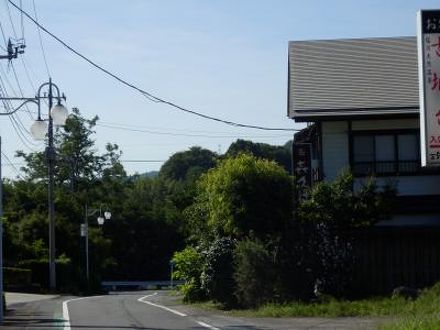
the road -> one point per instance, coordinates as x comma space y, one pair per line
150, 310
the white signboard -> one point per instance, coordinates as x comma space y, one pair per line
429, 83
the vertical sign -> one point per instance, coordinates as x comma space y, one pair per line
428, 44
302, 168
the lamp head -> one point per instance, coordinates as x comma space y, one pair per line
100, 220
59, 114
39, 129
107, 215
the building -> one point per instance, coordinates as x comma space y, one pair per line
360, 98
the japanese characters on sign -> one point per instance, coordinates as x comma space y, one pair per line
302, 168
429, 82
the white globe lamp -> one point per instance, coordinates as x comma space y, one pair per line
59, 114
39, 130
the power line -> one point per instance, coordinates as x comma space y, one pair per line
8, 107
20, 89
21, 21
10, 20
142, 161
171, 134
12, 165
4, 36
41, 39
185, 130
143, 92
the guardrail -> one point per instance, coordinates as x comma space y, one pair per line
138, 285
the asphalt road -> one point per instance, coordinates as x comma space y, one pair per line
149, 310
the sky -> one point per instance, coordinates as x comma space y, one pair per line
223, 58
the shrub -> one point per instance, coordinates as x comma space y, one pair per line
327, 216
40, 272
254, 273
332, 258
16, 277
245, 194
188, 267
217, 278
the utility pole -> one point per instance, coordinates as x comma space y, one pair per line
57, 115
13, 51
1, 235
50, 154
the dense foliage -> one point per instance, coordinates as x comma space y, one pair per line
229, 217
243, 195
149, 213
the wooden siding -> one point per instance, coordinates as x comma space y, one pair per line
387, 258
353, 76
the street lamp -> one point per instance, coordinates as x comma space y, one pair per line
85, 230
57, 115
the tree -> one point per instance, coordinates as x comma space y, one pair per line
77, 159
340, 206
188, 165
245, 194
81, 175
331, 212
280, 154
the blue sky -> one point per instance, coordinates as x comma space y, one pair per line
225, 58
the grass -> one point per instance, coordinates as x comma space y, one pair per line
421, 313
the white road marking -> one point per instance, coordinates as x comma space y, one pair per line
206, 325
203, 324
66, 310
159, 306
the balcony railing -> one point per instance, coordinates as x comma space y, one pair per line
382, 168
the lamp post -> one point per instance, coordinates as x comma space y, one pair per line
57, 115
85, 230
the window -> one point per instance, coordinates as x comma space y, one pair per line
385, 153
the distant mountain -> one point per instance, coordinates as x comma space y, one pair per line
151, 174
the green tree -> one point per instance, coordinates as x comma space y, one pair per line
188, 267
245, 194
188, 165
282, 155
81, 176
254, 273
338, 204
331, 212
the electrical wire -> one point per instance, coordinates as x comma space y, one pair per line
143, 92
21, 21
41, 39
15, 123
10, 20
172, 134
185, 130
20, 89
142, 161
3, 34
12, 165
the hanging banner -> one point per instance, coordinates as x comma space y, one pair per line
428, 43
302, 168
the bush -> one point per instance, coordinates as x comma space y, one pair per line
331, 210
332, 258
254, 273
188, 267
217, 278
245, 194
16, 277
40, 272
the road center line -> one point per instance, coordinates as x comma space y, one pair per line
66, 310
159, 306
